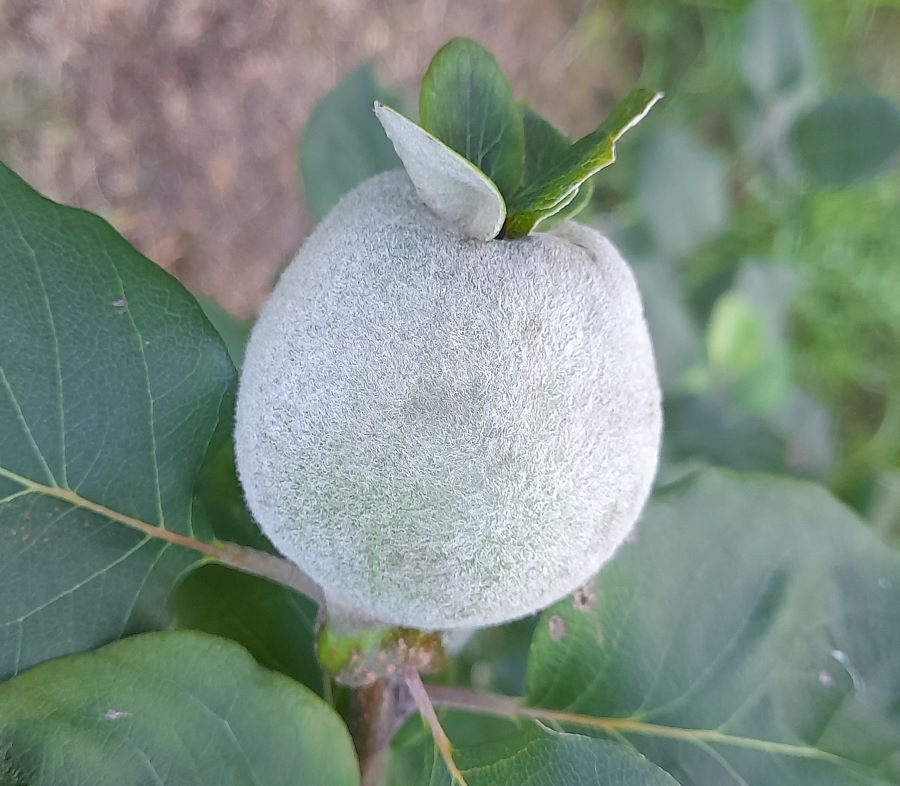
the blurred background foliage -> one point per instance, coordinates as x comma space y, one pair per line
759, 208
759, 203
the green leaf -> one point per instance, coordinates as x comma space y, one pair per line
747, 636
736, 340
499, 753
234, 332
776, 54
709, 430
675, 334
454, 188
276, 624
219, 504
556, 187
343, 144
112, 384
545, 145
169, 708
847, 139
682, 191
494, 658
747, 337
467, 103
757, 378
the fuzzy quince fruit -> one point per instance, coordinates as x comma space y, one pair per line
441, 431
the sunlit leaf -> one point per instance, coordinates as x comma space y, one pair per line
169, 708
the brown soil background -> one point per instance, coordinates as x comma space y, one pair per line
178, 120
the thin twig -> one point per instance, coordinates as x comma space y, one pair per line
259, 563
426, 710
377, 712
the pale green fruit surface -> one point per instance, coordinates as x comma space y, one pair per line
445, 432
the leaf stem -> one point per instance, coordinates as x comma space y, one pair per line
233, 555
514, 707
426, 709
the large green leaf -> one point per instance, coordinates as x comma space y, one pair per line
847, 139
343, 143
467, 103
559, 182
168, 708
276, 624
112, 383
748, 636
493, 752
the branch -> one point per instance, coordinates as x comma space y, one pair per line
259, 563
421, 695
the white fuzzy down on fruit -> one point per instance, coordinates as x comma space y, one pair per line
445, 432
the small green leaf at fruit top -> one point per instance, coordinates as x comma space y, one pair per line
467, 103
544, 146
555, 188
452, 186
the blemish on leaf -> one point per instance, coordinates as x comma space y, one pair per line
825, 679
557, 627
120, 305
112, 714
585, 598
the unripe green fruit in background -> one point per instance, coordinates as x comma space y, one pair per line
445, 432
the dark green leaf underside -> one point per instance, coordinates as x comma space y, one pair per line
343, 144
111, 386
273, 622
847, 139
